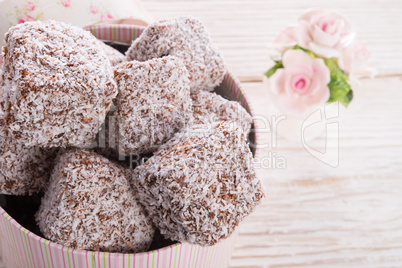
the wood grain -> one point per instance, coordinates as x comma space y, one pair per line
244, 30
370, 135
317, 215
332, 222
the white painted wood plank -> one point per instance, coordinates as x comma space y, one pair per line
316, 215
370, 135
243, 30
352, 221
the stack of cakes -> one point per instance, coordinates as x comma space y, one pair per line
71, 106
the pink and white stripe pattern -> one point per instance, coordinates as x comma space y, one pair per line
122, 33
21, 248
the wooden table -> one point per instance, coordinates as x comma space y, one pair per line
317, 215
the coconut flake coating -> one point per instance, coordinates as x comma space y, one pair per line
153, 103
210, 107
200, 184
90, 205
107, 139
58, 84
23, 170
114, 56
187, 39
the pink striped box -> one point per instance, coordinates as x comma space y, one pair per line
20, 247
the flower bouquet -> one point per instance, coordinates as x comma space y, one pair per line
320, 57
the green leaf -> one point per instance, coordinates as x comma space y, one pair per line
271, 71
340, 91
339, 87
336, 72
308, 52
347, 99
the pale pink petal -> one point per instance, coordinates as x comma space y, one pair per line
324, 32
324, 38
296, 57
300, 68
324, 51
277, 81
288, 86
286, 39
318, 98
321, 71
303, 35
314, 75
361, 50
316, 14
354, 60
315, 85
347, 40
319, 92
346, 60
331, 26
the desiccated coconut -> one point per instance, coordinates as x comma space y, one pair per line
90, 205
153, 103
57, 84
187, 39
23, 170
200, 184
209, 107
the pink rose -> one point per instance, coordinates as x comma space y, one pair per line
106, 16
25, 18
353, 60
302, 83
30, 6
66, 3
324, 32
286, 39
93, 9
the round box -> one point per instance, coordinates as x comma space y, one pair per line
20, 247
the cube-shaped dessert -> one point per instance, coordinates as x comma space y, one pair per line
153, 103
23, 170
187, 39
209, 107
91, 205
200, 184
57, 84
